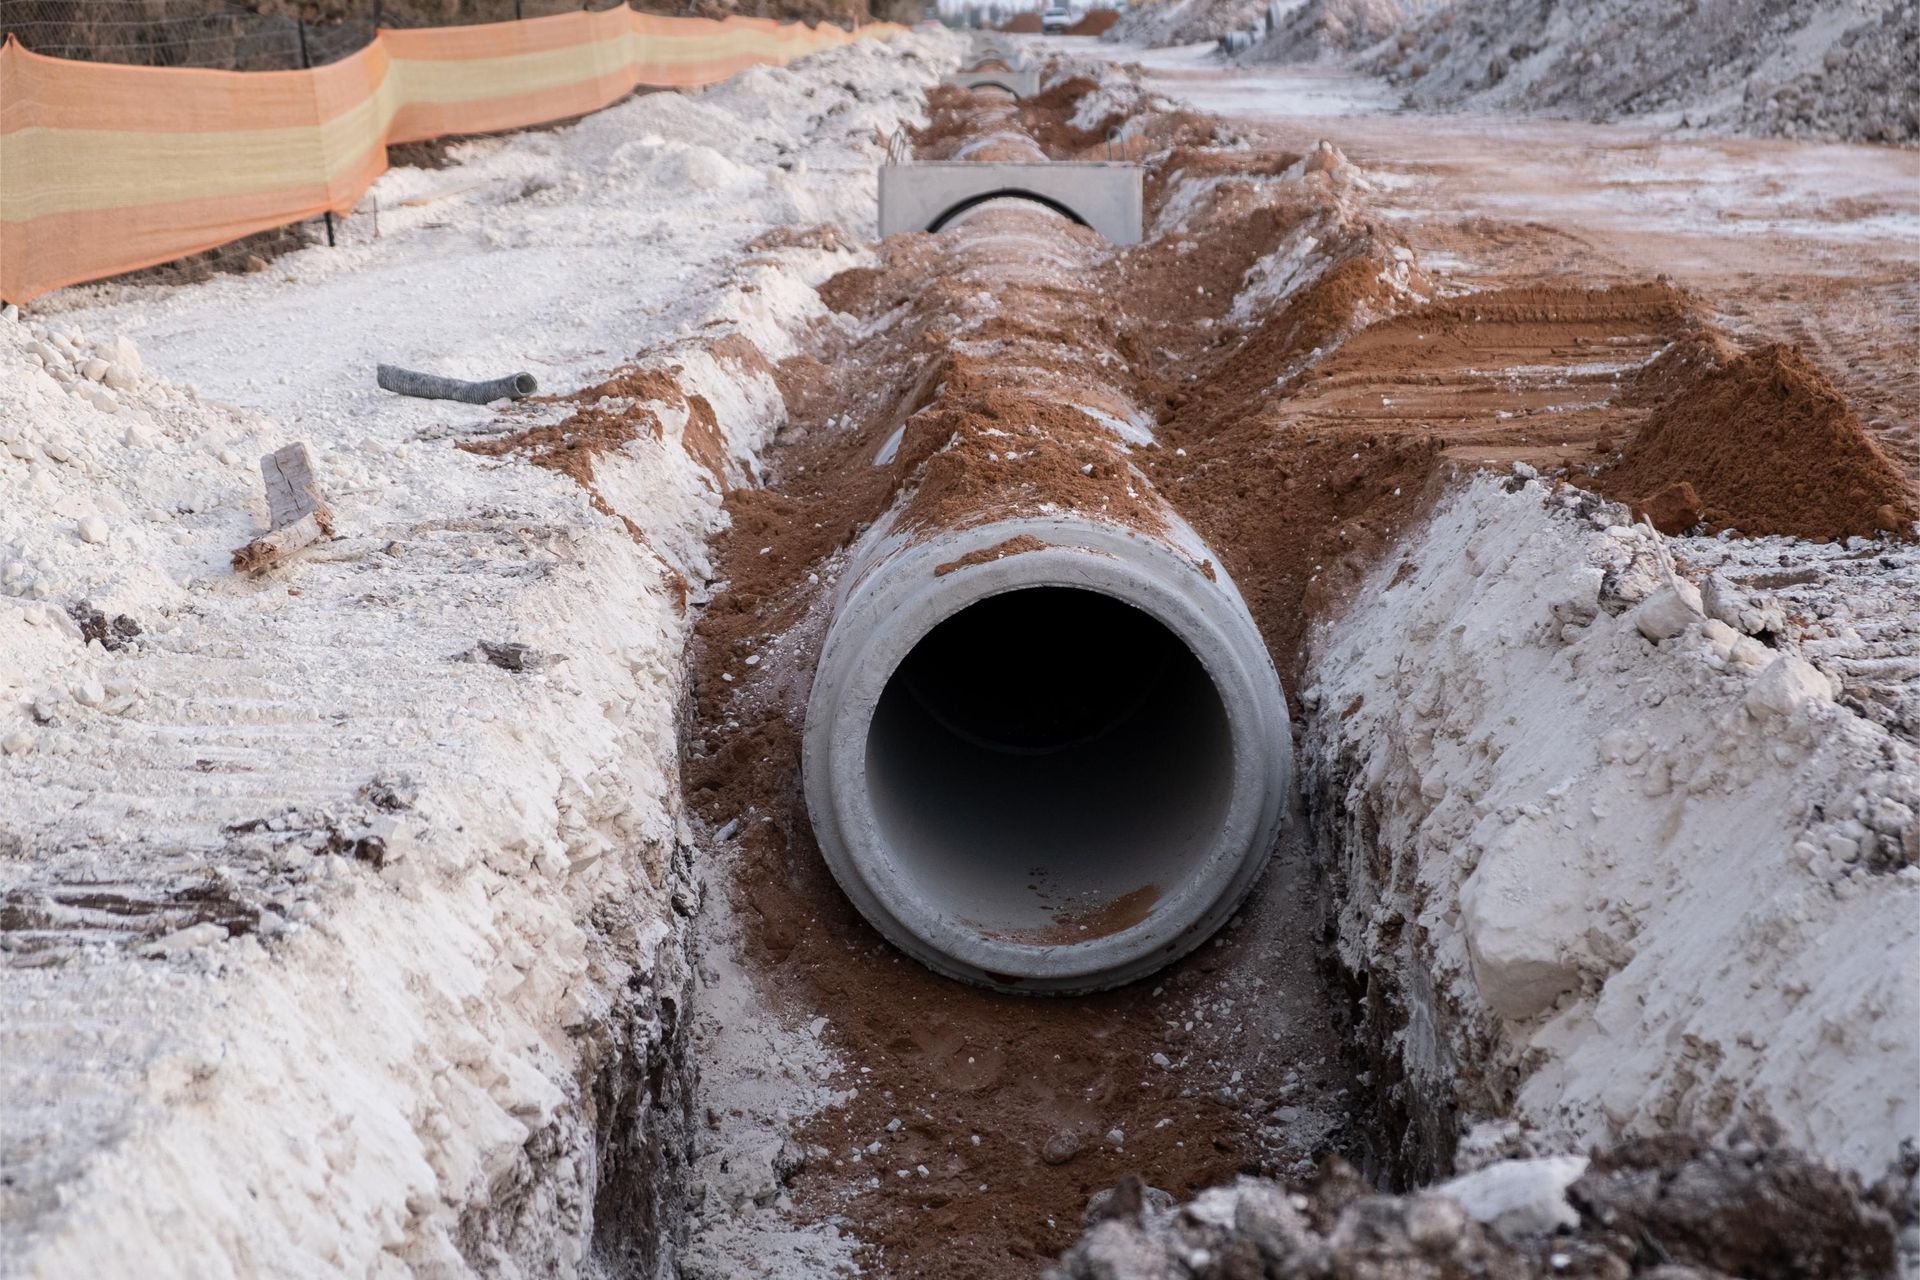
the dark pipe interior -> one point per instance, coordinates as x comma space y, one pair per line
1009, 193
1044, 752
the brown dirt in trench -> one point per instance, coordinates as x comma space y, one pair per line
1300, 444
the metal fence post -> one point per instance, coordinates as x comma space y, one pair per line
300, 25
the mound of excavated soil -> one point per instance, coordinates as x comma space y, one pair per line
1024, 24
1095, 23
1768, 446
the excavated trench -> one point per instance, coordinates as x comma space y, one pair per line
1203, 390
1094, 746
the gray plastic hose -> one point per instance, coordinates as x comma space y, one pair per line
431, 386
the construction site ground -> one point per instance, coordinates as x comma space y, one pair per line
591, 1001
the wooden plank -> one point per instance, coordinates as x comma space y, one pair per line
297, 514
292, 492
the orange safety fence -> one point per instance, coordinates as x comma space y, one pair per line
107, 168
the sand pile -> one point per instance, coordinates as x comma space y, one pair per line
1764, 445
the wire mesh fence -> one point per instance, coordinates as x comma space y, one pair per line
227, 35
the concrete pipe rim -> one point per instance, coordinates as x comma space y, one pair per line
1161, 583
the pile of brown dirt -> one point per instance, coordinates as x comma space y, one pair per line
1097, 22
1023, 24
1768, 446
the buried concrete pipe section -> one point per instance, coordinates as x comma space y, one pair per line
1046, 749
1006, 163
1020, 82
1045, 754
925, 196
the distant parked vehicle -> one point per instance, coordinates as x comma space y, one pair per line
1056, 18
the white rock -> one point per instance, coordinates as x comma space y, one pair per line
99, 397
1754, 615
1749, 652
16, 744
1786, 683
198, 935
1721, 636
1668, 611
88, 693
93, 370
92, 529
122, 352
1524, 916
1520, 1198
119, 377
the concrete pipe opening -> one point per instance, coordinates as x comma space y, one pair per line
1042, 749
1051, 773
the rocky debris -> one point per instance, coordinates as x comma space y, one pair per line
1861, 89
112, 634
511, 655
1826, 68
1185, 21
1668, 611
1786, 683
1845, 607
1326, 28
1741, 1210
1758, 616
1671, 1208
1520, 1198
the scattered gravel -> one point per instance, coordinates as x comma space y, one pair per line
1669, 1208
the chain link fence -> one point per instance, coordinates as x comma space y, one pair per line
266, 35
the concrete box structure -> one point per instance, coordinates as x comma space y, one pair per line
1024, 83
1103, 195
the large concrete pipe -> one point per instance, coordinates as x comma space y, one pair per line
1046, 754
